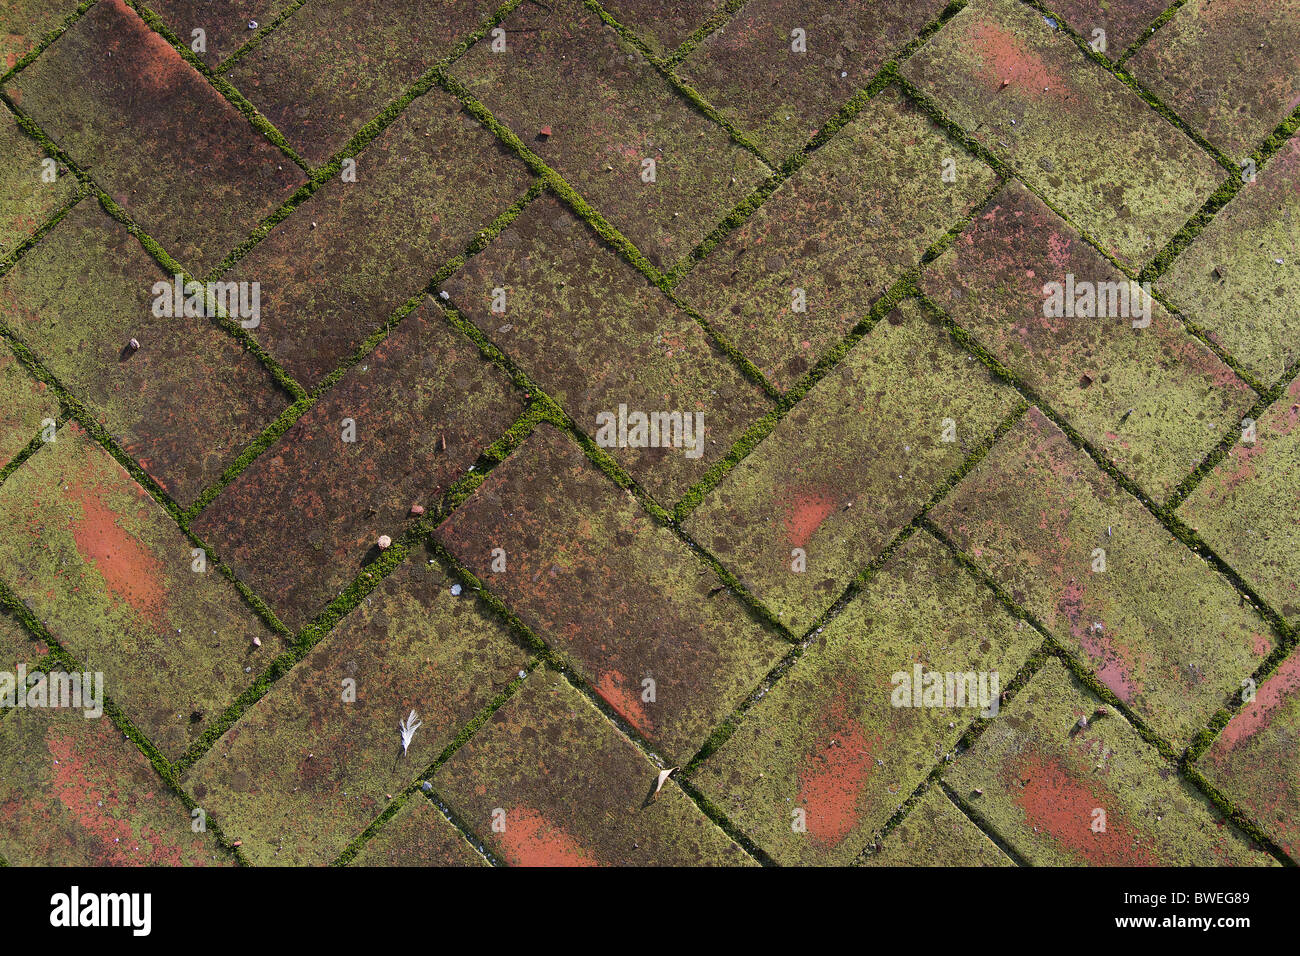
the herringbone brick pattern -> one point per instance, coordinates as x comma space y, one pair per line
710, 433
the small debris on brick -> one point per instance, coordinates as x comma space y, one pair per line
417, 509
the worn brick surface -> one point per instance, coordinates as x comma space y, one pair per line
1254, 759
663, 24
1231, 68
1161, 628
17, 646
336, 64
306, 770
850, 465
843, 229
1245, 508
592, 573
596, 335
1154, 399
75, 792
226, 26
564, 788
26, 199
682, 251
1043, 779
830, 747
301, 522
26, 23
110, 92
1029, 94
346, 259
1124, 21
108, 574
418, 835
78, 300
1240, 278
27, 404
753, 72
936, 833
608, 110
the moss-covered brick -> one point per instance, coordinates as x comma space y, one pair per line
401, 426
1062, 794
114, 581
850, 465
312, 763
647, 623
1245, 508
936, 833
1157, 624
596, 335
75, 792
27, 198
1230, 68
1239, 280
834, 749
183, 404
29, 405
333, 271
781, 68
109, 91
1254, 761
334, 65
795, 277
610, 114
1132, 381
548, 781
418, 835
1072, 130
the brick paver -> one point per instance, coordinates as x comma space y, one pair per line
82, 296
829, 755
425, 186
75, 792
17, 646
853, 463
226, 26
28, 404
109, 91
1254, 758
631, 348
111, 577
26, 23
662, 24
318, 758
418, 835
1231, 68
301, 522
1134, 383
1123, 22
538, 238
336, 64
651, 164
1240, 279
550, 782
1096, 795
646, 623
27, 196
781, 68
1244, 509
936, 833
1158, 625
1029, 94
803, 270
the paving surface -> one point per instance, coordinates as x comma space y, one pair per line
711, 433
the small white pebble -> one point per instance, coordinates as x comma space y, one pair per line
455, 590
